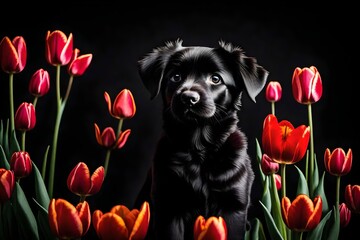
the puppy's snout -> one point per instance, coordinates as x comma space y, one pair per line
190, 97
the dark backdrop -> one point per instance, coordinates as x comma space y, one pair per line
281, 37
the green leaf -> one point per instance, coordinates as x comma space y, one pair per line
43, 222
14, 144
266, 198
259, 157
302, 187
1, 133
8, 222
256, 231
334, 225
317, 232
24, 214
320, 191
41, 194
315, 178
3, 160
276, 207
273, 231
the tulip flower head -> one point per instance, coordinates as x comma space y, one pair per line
25, 117
282, 142
268, 166
213, 228
81, 183
7, 183
302, 214
124, 105
78, 64
273, 91
39, 84
107, 137
337, 162
21, 164
121, 223
345, 215
306, 85
352, 197
67, 221
59, 48
13, 54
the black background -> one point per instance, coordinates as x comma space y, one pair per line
281, 37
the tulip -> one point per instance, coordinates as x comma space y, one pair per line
345, 215
13, 54
39, 84
213, 228
7, 183
59, 48
21, 164
273, 91
121, 223
282, 142
302, 214
268, 167
67, 221
78, 64
81, 183
306, 85
25, 117
352, 197
108, 139
277, 178
124, 105
337, 162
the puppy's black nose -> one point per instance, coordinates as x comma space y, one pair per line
190, 97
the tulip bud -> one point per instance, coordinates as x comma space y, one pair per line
337, 162
345, 215
268, 166
39, 84
7, 183
25, 117
273, 91
21, 164
108, 139
124, 105
306, 85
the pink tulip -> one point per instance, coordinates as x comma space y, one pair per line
306, 85
273, 91
337, 162
39, 84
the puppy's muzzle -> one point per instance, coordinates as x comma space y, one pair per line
189, 98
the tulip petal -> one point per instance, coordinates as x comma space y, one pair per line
97, 179
215, 229
124, 105
122, 138
141, 225
272, 137
98, 134
96, 216
108, 101
296, 145
84, 215
299, 212
199, 226
112, 227
315, 217
285, 205
79, 181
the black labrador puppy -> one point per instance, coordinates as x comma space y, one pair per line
201, 166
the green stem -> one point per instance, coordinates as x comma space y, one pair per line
337, 191
276, 208
23, 133
107, 158
119, 128
11, 95
68, 88
311, 165
35, 101
273, 108
82, 198
283, 179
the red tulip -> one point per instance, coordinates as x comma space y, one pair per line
78, 64
59, 48
214, 228
124, 105
282, 142
67, 221
345, 215
108, 139
306, 85
268, 166
81, 183
273, 91
25, 117
302, 214
39, 84
277, 181
21, 164
7, 183
352, 197
121, 223
13, 54
337, 162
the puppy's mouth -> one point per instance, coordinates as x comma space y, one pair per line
192, 106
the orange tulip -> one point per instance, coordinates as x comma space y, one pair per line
213, 228
59, 48
282, 142
302, 214
13, 54
108, 139
273, 91
337, 162
39, 84
21, 164
306, 85
67, 221
7, 183
124, 105
78, 64
81, 183
121, 223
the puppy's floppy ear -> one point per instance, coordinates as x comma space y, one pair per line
152, 66
254, 75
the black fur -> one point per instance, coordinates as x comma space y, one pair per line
201, 166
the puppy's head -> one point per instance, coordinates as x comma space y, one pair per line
200, 82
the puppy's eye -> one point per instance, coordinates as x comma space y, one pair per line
175, 77
215, 79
